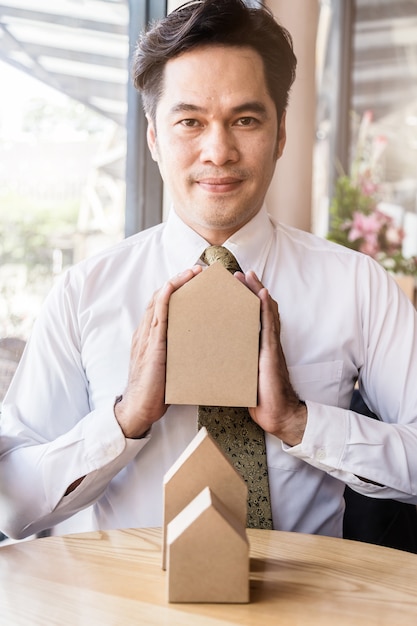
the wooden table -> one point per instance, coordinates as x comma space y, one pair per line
115, 577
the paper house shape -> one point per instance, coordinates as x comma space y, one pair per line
208, 553
213, 341
202, 464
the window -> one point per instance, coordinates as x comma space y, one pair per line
367, 105
64, 72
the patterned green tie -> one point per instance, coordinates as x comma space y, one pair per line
236, 434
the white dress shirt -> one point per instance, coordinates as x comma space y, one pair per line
343, 318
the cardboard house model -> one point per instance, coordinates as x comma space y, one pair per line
202, 464
213, 341
208, 553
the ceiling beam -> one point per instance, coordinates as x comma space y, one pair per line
69, 21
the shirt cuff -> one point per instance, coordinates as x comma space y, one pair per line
324, 441
96, 443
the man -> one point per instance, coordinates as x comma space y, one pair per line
215, 78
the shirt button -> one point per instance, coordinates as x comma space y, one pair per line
320, 454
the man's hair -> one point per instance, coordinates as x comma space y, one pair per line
214, 22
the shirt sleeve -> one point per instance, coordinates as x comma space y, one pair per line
49, 434
374, 457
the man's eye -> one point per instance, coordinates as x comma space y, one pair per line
189, 123
246, 121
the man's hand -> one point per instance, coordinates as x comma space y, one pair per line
279, 409
143, 401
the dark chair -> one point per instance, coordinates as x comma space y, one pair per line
383, 522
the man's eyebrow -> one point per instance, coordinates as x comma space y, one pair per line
254, 106
185, 107
251, 107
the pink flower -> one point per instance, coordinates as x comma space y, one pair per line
370, 246
364, 225
375, 233
394, 236
367, 186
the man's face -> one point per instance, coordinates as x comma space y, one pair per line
216, 138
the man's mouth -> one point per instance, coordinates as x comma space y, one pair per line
219, 185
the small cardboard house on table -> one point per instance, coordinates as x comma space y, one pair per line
213, 341
208, 553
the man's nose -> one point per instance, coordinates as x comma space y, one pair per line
219, 145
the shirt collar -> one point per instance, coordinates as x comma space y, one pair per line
250, 245
183, 246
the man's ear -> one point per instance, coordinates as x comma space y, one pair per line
151, 138
282, 135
